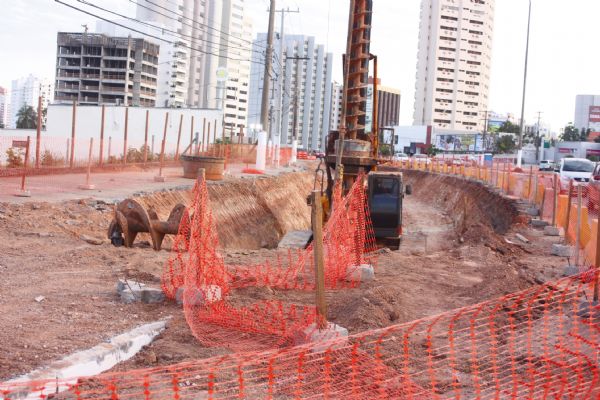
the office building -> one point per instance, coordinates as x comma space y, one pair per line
304, 74
454, 61
97, 69
336, 106
388, 105
25, 92
587, 112
3, 107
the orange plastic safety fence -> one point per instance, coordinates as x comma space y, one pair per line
543, 342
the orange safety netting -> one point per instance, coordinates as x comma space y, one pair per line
543, 342
197, 271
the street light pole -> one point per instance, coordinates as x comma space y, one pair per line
524, 90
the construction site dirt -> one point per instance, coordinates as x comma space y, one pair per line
58, 271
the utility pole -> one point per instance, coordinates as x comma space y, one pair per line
524, 88
280, 77
264, 110
537, 140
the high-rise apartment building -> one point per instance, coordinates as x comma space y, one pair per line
454, 61
173, 59
97, 69
305, 72
336, 106
3, 107
25, 92
587, 112
219, 37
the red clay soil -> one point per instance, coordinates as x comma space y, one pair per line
446, 261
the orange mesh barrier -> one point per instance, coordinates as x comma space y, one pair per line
542, 342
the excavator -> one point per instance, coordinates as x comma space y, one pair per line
351, 150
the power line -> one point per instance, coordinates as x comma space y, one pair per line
152, 36
185, 17
162, 29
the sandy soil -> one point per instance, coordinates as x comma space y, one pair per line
446, 261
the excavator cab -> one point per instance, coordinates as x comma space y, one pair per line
386, 192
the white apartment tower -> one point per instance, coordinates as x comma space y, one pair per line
454, 62
219, 37
25, 91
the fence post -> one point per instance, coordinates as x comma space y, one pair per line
567, 223
317, 225
87, 185
508, 181
109, 148
125, 135
152, 148
38, 136
179, 137
23, 192
101, 156
597, 263
67, 158
207, 138
578, 233
204, 136
146, 137
192, 136
160, 177
530, 180
554, 201
73, 123
215, 139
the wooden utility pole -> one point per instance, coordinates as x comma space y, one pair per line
38, 137
264, 106
191, 135
146, 137
178, 137
317, 225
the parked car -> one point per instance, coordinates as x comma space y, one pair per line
400, 157
578, 169
546, 165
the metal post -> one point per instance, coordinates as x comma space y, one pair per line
597, 263
178, 137
38, 136
125, 135
317, 225
101, 155
524, 84
73, 123
87, 185
578, 233
162, 149
146, 137
375, 113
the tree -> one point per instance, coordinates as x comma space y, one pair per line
509, 127
14, 158
572, 134
505, 144
26, 117
432, 151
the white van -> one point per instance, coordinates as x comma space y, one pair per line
578, 169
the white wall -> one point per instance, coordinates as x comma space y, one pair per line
88, 125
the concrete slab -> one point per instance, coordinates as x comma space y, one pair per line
84, 363
160, 178
295, 240
551, 231
589, 309
152, 295
361, 273
331, 337
533, 211
570, 270
198, 296
539, 223
562, 250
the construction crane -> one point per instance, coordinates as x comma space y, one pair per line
352, 150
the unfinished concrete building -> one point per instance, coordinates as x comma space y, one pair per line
98, 69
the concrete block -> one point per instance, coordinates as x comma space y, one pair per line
562, 250
332, 337
152, 295
123, 284
533, 211
589, 309
570, 270
23, 193
198, 296
361, 273
551, 231
160, 179
539, 223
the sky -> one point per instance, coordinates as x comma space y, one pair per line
563, 60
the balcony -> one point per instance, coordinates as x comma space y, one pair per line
68, 75
90, 76
65, 97
63, 63
89, 99
67, 87
113, 77
90, 88
113, 89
